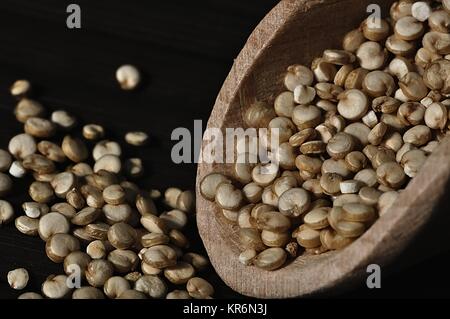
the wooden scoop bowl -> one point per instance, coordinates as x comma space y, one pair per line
296, 31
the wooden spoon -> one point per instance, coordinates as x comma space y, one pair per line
296, 32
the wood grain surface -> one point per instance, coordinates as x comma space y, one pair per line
294, 32
185, 50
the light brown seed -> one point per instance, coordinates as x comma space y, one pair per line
294, 202
74, 149
355, 212
39, 127
317, 218
350, 229
308, 238
270, 259
391, 174
59, 246
98, 272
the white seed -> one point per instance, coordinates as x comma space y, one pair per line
199, 288
128, 77
35, 210
5, 184
106, 147
370, 119
350, 186
298, 75
359, 132
399, 47
109, 163
353, 104
403, 150
136, 138
413, 161
22, 145
367, 176
421, 10
55, 287
63, 183
306, 116
418, 135
436, 116
6, 212
63, 119
117, 213
408, 28
284, 104
379, 83
304, 94
115, 286
53, 223
371, 55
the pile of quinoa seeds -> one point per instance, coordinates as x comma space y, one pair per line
354, 127
96, 222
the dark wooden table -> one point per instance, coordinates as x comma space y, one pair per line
185, 50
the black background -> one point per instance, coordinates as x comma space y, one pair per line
185, 50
